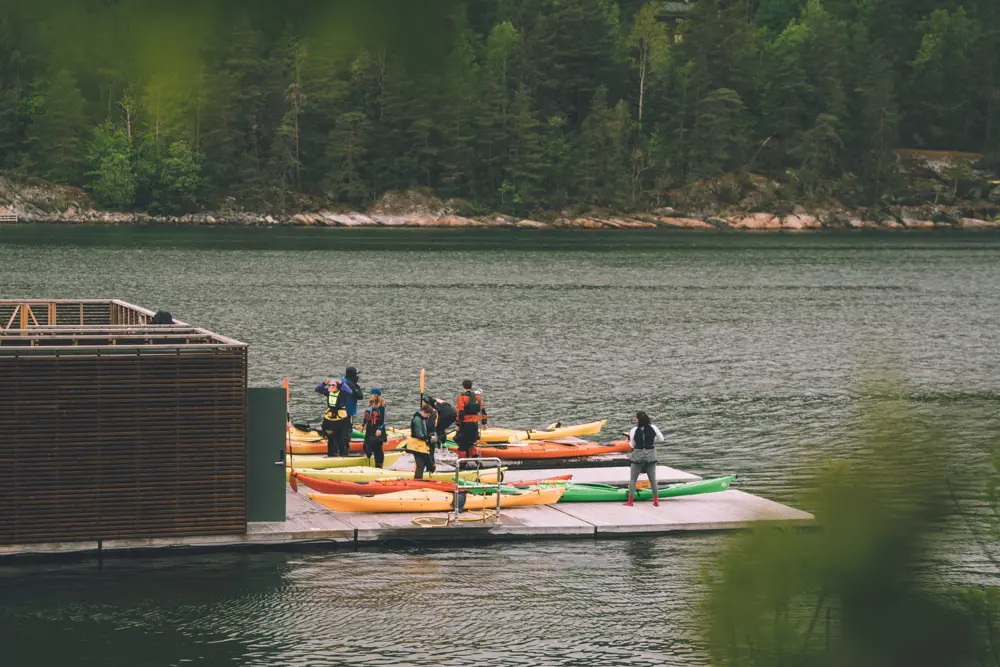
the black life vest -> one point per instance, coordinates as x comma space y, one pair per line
472, 406
645, 437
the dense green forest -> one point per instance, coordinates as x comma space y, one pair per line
510, 105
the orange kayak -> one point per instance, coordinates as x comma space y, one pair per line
319, 446
550, 449
425, 500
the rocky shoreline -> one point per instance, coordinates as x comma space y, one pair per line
747, 222
33, 200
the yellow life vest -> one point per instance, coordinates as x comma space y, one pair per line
417, 445
332, 413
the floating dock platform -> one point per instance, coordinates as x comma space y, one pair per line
309, 523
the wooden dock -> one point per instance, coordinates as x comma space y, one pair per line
310, 523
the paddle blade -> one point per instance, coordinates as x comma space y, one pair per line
292, 482
423, 377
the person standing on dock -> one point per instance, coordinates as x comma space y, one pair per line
418, 443
350, 384
469, 412
374, 427
335, 419
643, 456
445, 415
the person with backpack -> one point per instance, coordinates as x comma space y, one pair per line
643, 456
419, 442
469, 409
373, 424
335, 419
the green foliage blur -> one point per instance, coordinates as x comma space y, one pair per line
864, 589
516, 105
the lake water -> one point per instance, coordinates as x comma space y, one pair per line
750, 352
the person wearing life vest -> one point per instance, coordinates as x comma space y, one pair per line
335, 419
349, 385
642, 458
469, 409
373, 424
419, 442
432, 433
445, 416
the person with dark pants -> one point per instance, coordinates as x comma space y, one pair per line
643, 456
374, 426
433, 438
419, 444
350, 385
468, 414
446, 416
335, 420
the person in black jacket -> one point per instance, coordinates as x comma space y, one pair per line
444, 418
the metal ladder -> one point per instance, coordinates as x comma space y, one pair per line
479, 463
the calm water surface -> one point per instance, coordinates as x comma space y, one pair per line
749, 352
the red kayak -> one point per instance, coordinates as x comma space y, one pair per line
550, 449
374, 487
380, 486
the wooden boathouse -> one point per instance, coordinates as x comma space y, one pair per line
113, 427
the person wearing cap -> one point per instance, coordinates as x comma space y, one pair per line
418, 444
335, 419
351, 387
470, 409
374, 426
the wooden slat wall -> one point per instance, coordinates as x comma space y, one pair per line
122, 445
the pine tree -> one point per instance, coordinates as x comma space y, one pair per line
572, 49
719, 135
603, 151
58, 125
524, 154
347, 152
943, 85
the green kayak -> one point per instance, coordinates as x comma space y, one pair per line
598, 493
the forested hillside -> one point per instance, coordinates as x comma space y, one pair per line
509, 105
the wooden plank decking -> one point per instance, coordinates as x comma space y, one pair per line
308, 522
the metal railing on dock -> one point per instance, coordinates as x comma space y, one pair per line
8, 217
468, 485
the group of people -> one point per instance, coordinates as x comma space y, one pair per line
428, 428
430, 425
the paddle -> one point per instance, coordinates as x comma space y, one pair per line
288, 444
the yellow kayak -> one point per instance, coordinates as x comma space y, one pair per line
432, 501
499, 435
312, 461
365, 474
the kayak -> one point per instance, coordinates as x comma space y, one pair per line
546, 449
319, 446
313, 435
366, 474
313, 462
495, 435
375, 487
380, 486
431, 501
600, 493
